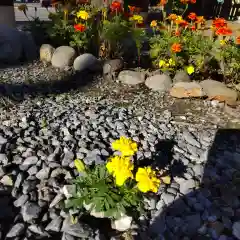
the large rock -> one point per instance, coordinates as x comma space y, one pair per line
181, 76
219, 91
86, 61
186, 90
159, 82
10, 45
46, 53
122, 224
131, 77
63, 57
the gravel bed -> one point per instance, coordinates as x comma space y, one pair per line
41, 136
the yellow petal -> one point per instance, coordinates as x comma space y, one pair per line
79, 165
190, 70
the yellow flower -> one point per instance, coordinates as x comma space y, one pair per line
125, 145
83, 15
171, 62
79, 165
223, 42
136, 18
23, 8
162, 63
121, 168
190, 69
153, 23
147, 180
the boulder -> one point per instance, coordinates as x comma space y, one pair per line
10, 45
86, 61
63, 57
181, 76
186, 90
159, 82
219, 91
131, 77
122, 224
46, 53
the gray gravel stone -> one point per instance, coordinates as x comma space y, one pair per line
30, 211
43, 173
16, 230
55, 225
30, 161
236, 229
21, 200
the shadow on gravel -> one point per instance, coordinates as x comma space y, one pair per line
212, 208
19, 92
7, 212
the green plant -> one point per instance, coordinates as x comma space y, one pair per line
117, 188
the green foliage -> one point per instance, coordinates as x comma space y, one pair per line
95, 187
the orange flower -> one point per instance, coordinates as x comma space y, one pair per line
192, 16
219, 23
172, 17
177, 33
79, 27
238, 40
193, 28
132, 9
116, 6
153, 23
224, 31
184, 1
183, 23
163, 2
200, 19
176, 47
192, 1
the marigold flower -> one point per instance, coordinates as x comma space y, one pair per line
153, 23
219, 23
136, 18
121, 168
193, 1
132, 8
23, 8
176, 47
192, 16
190, 69
200, 19
177, 33
116, 6
224, 31
172, 17
161, 63
223, 42
125, 145
184, 1
162, 2
193, 28
180, 21
83, 15
147, 180
238, 40
79, 27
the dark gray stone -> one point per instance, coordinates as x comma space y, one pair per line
30, 161
30, 211
55, 225
21, 200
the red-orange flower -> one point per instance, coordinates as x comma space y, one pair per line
219, 23
172, 17
193, 28
176, 47
163, 2
116, 6
200, 19
238, 40
177, 33
192, 16
224, 31
184, 1
79, 27
192, 1
132, 9
183, 23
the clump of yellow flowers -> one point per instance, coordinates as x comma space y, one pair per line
83, 15
122, 167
